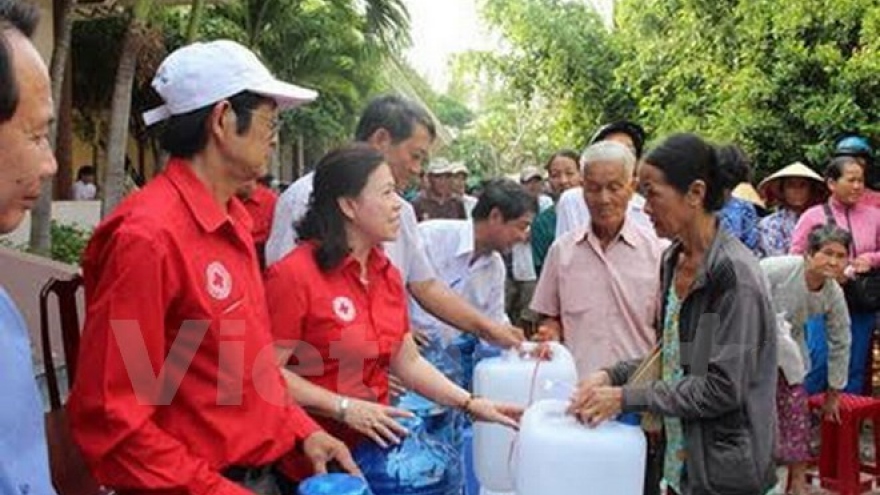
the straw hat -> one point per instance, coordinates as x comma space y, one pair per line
771, 187
747, 192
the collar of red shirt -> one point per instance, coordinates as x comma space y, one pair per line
200, 201
627, 233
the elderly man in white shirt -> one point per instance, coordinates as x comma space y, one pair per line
466, 256
403, 132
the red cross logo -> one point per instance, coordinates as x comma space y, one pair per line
344, 309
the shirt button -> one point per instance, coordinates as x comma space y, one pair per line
24, 488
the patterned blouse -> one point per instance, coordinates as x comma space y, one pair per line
672, 372
740, 218
774, 233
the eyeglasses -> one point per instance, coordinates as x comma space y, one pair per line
273, 121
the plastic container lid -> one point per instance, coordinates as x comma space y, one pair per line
334, 484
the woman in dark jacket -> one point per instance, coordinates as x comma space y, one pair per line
717, 381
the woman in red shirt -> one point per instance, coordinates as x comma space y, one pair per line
339, 311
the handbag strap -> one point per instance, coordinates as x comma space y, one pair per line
829, 220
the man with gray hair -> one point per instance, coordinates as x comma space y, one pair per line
599, 286
26, 160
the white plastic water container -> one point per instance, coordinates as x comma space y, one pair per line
557, 454
514, 377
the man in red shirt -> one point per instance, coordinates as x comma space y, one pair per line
178, 391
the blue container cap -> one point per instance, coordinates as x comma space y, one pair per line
334, 484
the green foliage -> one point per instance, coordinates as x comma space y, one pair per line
68, 242
782, 79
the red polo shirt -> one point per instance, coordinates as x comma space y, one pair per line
171, 280
261, 206
346, 331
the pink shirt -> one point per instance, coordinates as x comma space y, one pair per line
606, 300
862, 221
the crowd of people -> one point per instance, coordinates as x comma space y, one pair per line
236, 341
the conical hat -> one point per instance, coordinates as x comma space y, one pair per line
771, 187
747, 192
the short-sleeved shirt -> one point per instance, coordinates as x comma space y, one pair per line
480, 281
606, 299
261, 207
172, 283
23, 454
345, 331
406, 252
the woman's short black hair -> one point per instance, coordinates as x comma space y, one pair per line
510, 198
835, 167
686, 158
185, 135
341, 173
566, 153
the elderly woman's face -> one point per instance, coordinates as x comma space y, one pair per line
665, 205
830, 260
376, 210
607, 191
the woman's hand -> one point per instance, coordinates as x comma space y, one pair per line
831, 407
493, 412
602, 404
586, 388
861, 264
376, 421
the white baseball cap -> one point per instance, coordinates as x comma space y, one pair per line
201, 74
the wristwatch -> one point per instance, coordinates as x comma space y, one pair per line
341, 408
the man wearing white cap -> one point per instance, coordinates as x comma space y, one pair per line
439, 200
178, 390
459, 187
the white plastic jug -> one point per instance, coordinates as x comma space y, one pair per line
514, 377
557, 454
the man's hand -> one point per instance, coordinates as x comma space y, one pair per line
550, 330
831, 407
504, 336
322, 448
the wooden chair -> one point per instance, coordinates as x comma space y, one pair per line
70, 475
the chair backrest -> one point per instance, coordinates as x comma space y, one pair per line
70, 475
65, 292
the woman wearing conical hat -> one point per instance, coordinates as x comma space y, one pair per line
793, 189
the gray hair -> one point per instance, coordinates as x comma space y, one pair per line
609, 151
823, 234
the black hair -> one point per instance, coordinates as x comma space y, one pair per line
84, 171
18, 16
736, 167
341, 173
631, 129
184, 135
834, 169
822, 234
395, 114
566, 153
685, 158
510, 198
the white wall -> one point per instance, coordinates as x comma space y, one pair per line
86, 214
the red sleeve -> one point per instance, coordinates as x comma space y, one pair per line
110, 422
286, 298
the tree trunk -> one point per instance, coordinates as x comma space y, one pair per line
41, 216
114, 174
195, 19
